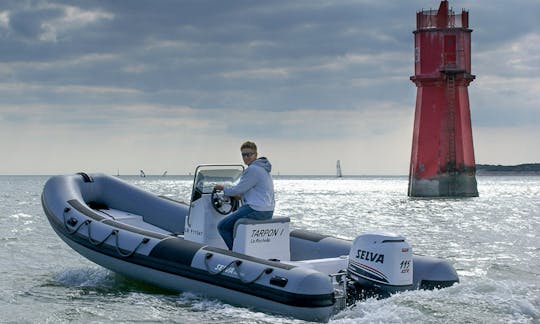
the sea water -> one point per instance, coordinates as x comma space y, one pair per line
493, 241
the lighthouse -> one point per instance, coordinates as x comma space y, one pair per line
442, 157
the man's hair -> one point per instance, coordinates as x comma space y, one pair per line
249, 145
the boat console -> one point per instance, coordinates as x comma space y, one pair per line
266, 239
207, 206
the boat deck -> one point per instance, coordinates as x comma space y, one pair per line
131, 219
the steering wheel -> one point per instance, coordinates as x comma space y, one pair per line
223, 204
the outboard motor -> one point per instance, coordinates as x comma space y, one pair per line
381, 263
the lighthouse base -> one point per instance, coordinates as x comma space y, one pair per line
444, 185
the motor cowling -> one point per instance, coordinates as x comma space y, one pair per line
383, 261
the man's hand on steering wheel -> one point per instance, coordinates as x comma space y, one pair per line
223, 204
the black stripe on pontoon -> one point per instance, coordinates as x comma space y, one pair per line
309, 236
181, 266
176, 250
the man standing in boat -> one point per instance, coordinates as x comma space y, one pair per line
256, 189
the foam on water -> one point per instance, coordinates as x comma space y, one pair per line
483, 301
84, 277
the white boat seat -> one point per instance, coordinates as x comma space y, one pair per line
266, 239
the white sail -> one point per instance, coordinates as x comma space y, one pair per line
338, 169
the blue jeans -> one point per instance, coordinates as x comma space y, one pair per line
226, 225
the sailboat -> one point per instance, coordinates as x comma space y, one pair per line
143, 175
338, 169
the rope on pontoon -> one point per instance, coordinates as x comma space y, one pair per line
72, 222
96, 242
127, 255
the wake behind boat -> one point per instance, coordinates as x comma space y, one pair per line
176, 246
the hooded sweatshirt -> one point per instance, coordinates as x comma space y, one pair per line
255, 186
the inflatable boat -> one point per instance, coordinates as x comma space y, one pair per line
271, 268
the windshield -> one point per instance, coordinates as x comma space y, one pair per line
207, 176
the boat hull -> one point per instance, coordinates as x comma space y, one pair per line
168, 261
140, 235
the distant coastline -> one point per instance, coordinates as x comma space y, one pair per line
520, 169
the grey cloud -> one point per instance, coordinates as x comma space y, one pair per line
200, 53
28, 24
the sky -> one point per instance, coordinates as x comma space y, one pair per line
119, 86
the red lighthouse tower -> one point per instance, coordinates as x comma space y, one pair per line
442, 158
